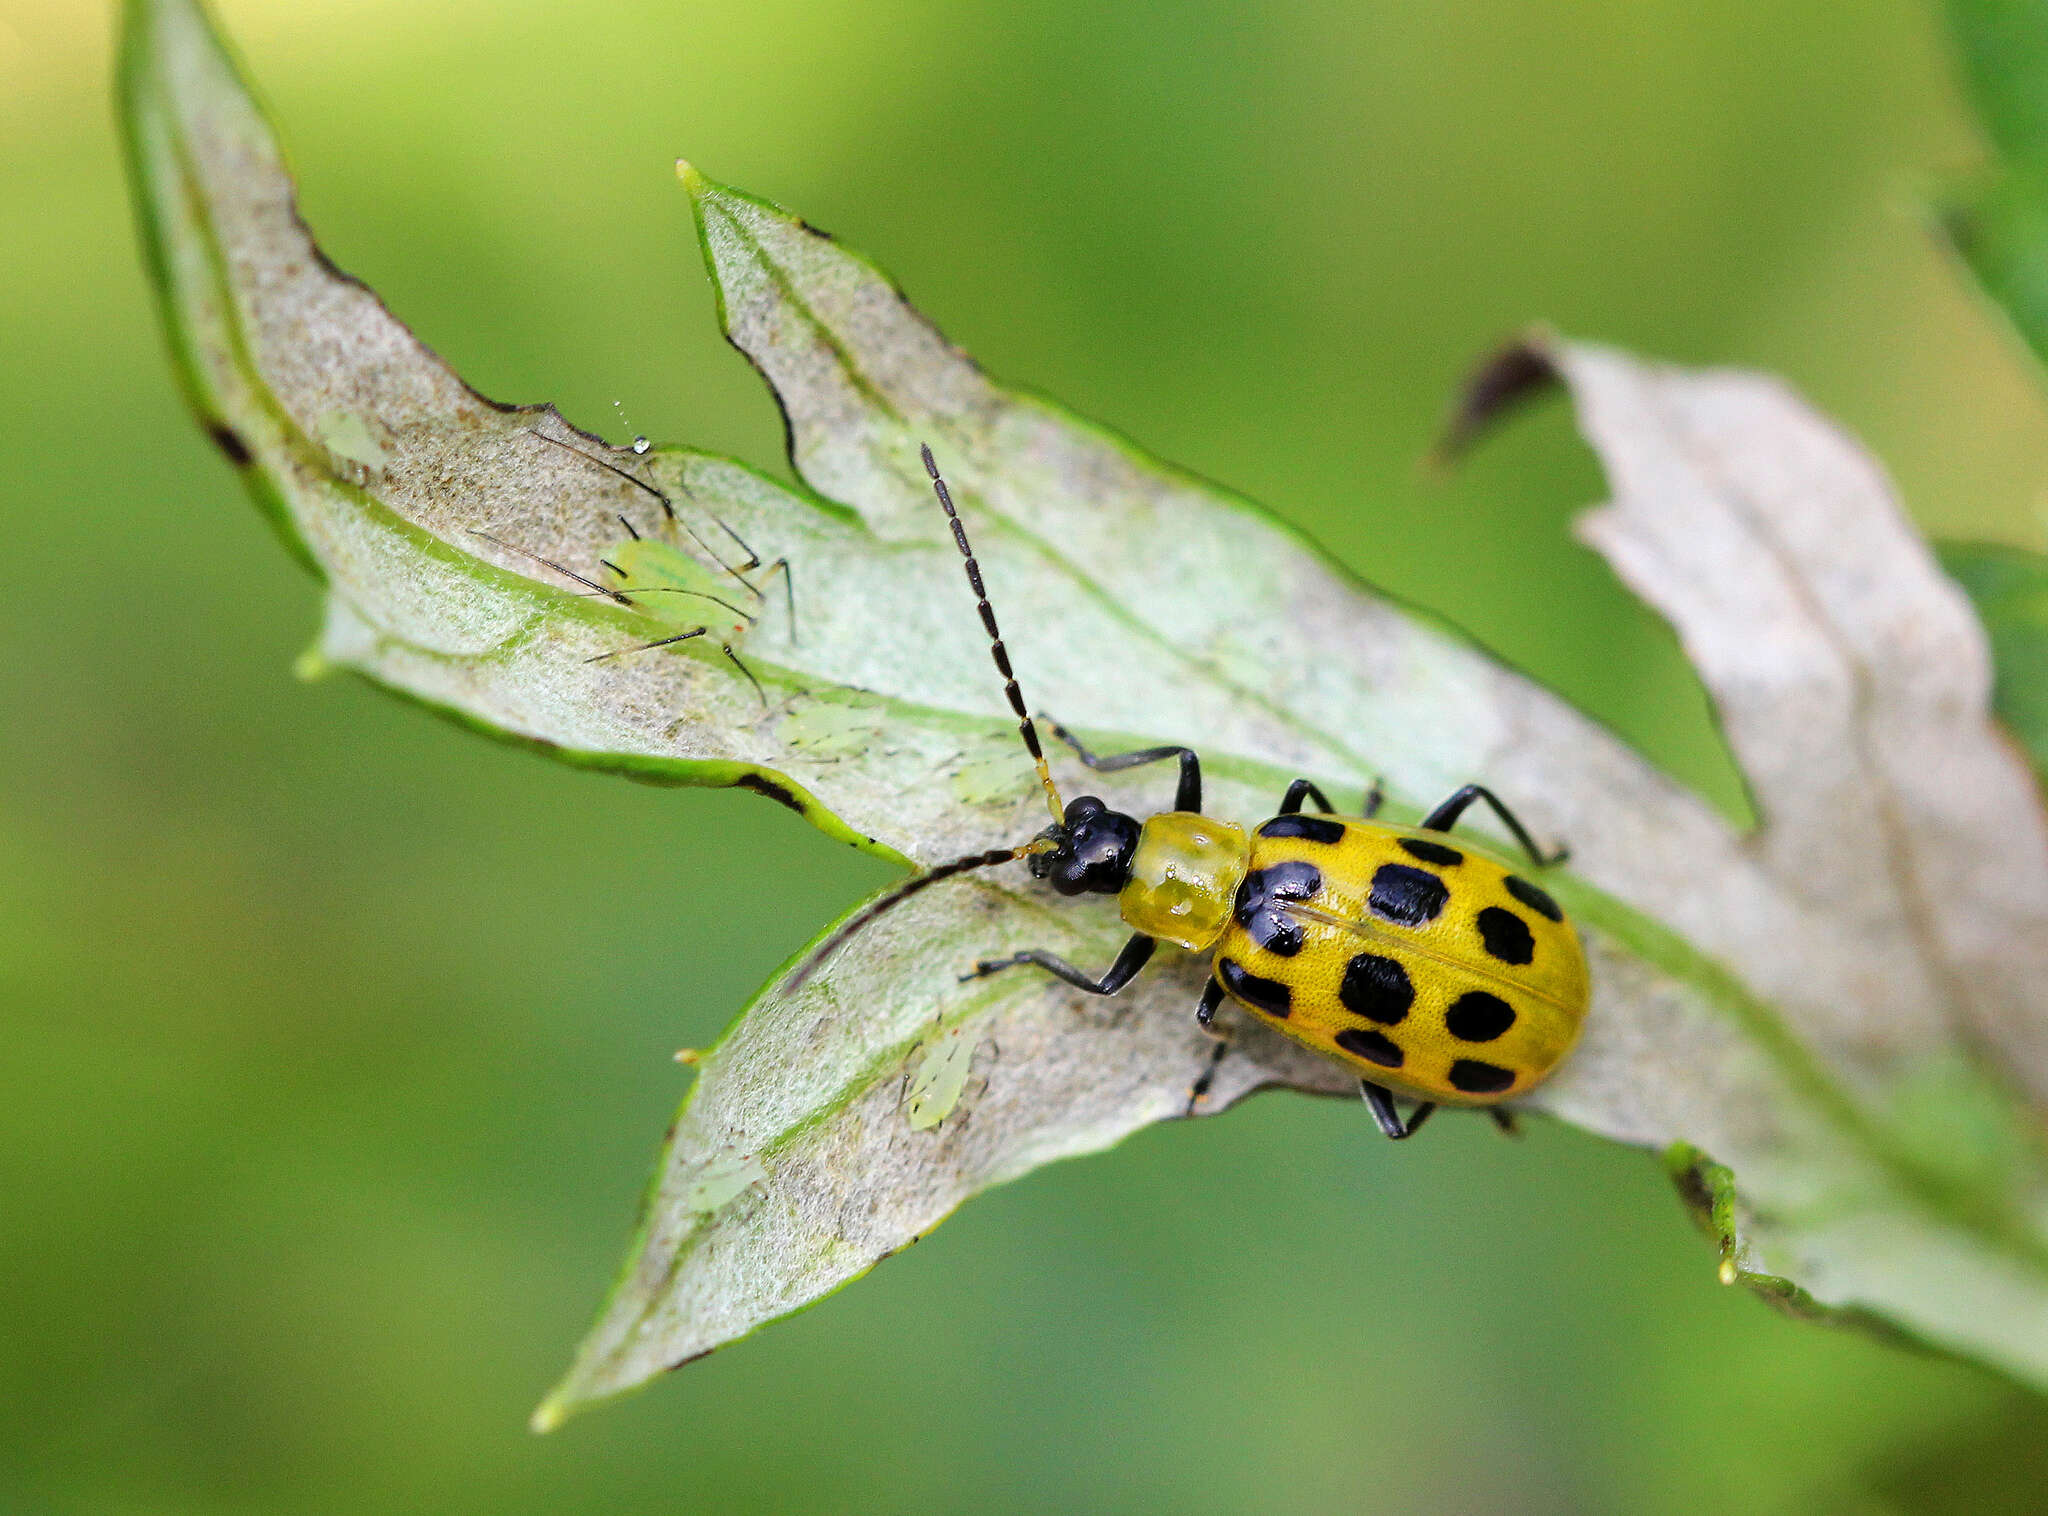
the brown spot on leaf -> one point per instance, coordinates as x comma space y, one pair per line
781, 794
230, 442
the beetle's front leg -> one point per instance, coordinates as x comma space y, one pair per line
1136, 954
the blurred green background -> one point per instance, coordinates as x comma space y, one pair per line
336, 1039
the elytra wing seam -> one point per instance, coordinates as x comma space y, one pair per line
1377, 934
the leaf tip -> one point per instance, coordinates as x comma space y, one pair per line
1514, 373
313, 665
549, 1414
692, 181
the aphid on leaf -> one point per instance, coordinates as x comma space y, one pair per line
938, 1082
653, 574
1424, 966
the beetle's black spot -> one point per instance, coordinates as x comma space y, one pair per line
1432, 852
1476, 1078
1308, 828
1373, 1046
761, 784
1506, 935
1268, 995
1536, 900
1376, 988
229, 441
1262, 904
1477, 1016
1407, 896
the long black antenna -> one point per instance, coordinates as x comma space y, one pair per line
1000, 653
994, 856
896, 897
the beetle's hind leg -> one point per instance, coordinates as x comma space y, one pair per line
1381, 1101
1445, 816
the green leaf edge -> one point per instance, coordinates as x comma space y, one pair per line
1707, 1189
2008, 587
565, 1400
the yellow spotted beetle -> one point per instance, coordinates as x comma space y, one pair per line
1422, 967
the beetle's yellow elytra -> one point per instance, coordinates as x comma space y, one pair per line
1426, 966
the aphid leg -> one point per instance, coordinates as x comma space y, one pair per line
566, 573
1188, 797
726, 648
1445, 816
625, 596
620, 652
709, 552
781, 566
1505, 1120
1300, 790
1382, 1104
753, 558
1136, 954
1374, 799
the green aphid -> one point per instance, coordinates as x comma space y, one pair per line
980, 781
674, 588
941, 1077
713, 603
835, 727
721, 1179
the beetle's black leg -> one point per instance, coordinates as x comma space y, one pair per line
1187, 798
1374, 799
1445, 816
1137, 952
1199, 1090
1382, 1103
1300, 790
1505, 1120
1205, 1016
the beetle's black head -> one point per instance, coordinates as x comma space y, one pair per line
1091, 851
